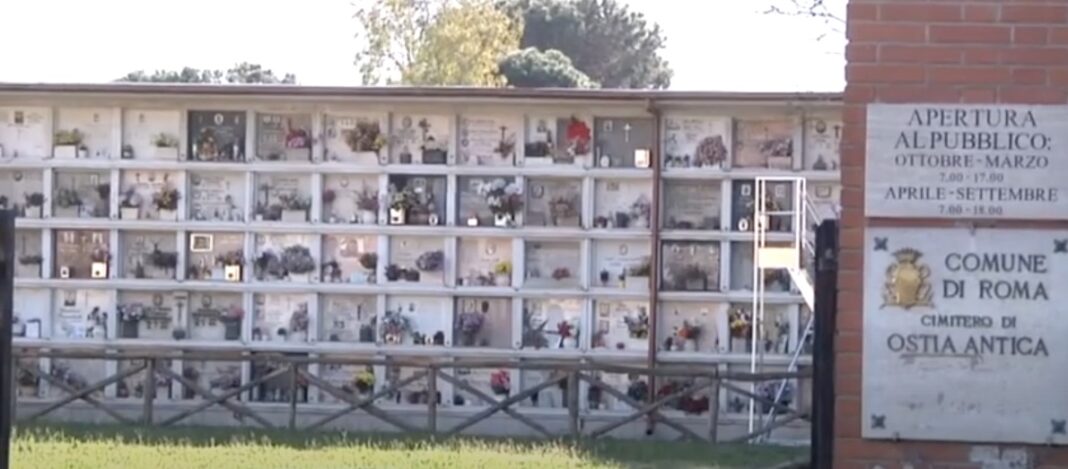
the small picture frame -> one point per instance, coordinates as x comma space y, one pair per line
201, 242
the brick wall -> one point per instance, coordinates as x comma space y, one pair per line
949, 51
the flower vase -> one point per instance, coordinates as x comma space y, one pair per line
67, 212
300, 278
129, 213
165, 153
218, 273
570, 343
397, 216
690, 345
502, 280
31, 212
502, 220
232, 273
168, 215
368, 217
294, 216
69, 152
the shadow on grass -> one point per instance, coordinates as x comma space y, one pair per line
633, 453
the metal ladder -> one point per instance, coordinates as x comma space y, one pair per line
796, 257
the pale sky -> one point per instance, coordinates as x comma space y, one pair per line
720, 45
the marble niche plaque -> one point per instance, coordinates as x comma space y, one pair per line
360, 139
543, 323
348, 191
74, 252
823, 139
764, 143
488, 140
32, 307
623, 142
348, 318
622, 204
283, 137
553, 202
164, 312
96, 126
91, 188
207, 311
778, 197
144, 129
692, 205
16, 185
204, 250
479, 260
81, 314
691, 266
706, 321
217, 197
696, 142
496, 329
138, 188
404, 253
558, 140
621, 325
217, 136
24, 132
28, 251
344, 258
147, 254
614, 261
420, 139
281, 318
552, 264
430, 320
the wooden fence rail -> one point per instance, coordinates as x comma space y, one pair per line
568, 372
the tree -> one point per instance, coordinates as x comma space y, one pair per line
433, 42
463, 46
612, 45
393, 31
242, 73
812, 9
531, 68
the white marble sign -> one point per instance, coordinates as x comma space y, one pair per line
965, 335
967, 161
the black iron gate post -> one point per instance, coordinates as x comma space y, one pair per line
826, 308
7, 361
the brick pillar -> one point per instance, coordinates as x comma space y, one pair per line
951, 51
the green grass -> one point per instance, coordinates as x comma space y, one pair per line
100, 447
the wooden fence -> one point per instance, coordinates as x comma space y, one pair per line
567, 373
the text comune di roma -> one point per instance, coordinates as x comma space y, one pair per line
993, 287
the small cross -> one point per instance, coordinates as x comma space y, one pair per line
1060, 246
626, 132
1058, 426
878, 421
881, 244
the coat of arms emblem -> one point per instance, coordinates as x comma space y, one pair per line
907, 284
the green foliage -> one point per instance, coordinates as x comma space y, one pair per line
133, 447
433, 42
463, 45
612, 45
393, 32
531, 68
242, 73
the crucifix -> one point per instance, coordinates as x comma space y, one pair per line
626, 132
